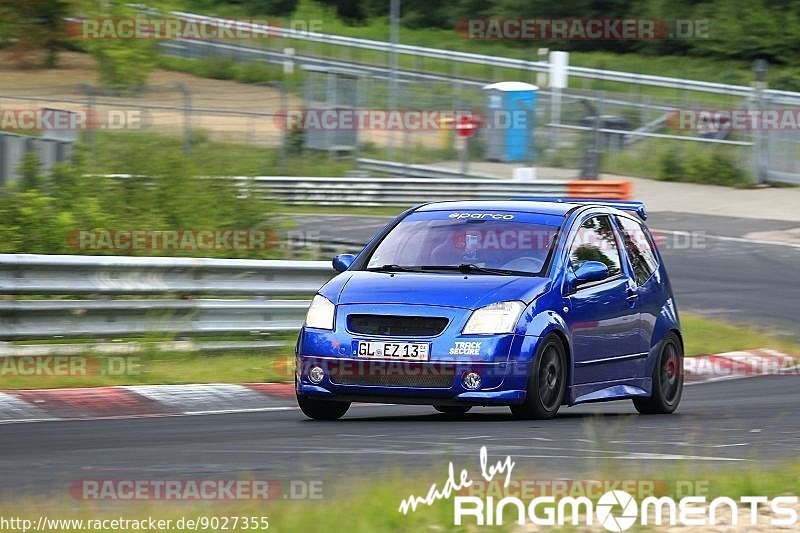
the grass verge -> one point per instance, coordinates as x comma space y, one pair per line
708, 336
356, 506
151, 367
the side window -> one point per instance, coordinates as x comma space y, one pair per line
640, 250
595, 242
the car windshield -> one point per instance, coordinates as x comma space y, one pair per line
474, 242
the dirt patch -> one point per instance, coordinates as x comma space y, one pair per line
226, 110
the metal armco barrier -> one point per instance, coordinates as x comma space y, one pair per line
182, 285
409, 191
415, 171
412, 190
775, 96
110, 275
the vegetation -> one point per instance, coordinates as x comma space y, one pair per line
40, 212
152, 366
34, 26
711, 166
229, 69
737, 30
123, 64
704, 336
343, 507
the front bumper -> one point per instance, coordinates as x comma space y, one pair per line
502, 361
346, 377
418, 397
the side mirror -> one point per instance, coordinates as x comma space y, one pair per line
342, 262
591, 271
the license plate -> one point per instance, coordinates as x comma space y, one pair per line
406, 351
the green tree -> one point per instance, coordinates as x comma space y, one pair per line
123, 65
33, 26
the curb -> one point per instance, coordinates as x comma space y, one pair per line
738, 365
94, 403
135, 401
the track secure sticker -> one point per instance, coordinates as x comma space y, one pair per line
482, 216
466, 348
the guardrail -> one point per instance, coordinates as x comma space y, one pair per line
775, 96
182, 286
407, 191
413, 170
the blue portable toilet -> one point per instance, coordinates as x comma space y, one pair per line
510, 119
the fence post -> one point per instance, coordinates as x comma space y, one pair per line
187, 118
283, 157
394, 30
759, 145
88, 91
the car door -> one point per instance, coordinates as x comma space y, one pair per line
644, 263
603, 316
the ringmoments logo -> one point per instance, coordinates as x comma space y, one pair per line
615, 510
605, 510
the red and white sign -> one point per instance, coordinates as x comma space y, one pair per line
466, 126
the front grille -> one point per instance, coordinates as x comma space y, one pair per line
397, 326
442, 381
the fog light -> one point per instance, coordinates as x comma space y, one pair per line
316, 374
471, 380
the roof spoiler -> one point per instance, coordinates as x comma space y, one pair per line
625, 205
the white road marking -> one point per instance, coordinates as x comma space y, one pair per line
234, 411
741, 240
357, 436
395, 452
29, 420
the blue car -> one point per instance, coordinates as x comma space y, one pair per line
526, 303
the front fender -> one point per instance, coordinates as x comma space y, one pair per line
538, 324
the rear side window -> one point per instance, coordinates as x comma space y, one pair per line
639, 248
595, 242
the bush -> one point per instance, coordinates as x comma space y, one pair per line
715, 168
39, 213
123, 65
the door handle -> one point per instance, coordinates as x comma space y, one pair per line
631, 294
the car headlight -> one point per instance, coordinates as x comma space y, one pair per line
320, 314
501, 317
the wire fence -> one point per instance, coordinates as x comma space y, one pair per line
568, 133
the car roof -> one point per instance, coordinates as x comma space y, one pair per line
520, 206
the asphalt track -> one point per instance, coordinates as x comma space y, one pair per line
718, 273
724, 425
737, 425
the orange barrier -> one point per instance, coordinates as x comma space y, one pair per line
607, 190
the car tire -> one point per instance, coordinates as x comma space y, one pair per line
547, 382
667, 379
453, 410
322, 409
